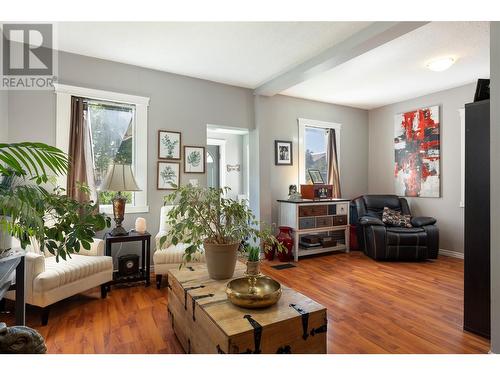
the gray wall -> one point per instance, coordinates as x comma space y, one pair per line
276, 118
4, 118
188, 105
495, 185
177, 103
32, 116
381, 160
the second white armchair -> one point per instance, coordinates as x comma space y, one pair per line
168, 256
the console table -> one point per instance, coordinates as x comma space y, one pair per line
307, 216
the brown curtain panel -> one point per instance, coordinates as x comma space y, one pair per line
333, 163
77, 150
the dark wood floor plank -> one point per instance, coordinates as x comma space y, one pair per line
373, 307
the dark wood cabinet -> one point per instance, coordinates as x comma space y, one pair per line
477, 219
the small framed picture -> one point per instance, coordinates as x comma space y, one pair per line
194, 159
283, 153
316, 176
169, 145
168, 175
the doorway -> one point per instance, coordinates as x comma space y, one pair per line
216, 153
227, 160
213, 167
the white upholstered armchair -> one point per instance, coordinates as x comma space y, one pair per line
168, 256
48, 281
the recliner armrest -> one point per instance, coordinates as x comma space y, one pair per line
422, 221
370, 220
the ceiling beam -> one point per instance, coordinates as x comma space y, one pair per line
363, 41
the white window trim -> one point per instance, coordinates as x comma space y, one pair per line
63, 115
222, 161
303, 123
461, 112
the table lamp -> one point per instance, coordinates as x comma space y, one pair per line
119, 178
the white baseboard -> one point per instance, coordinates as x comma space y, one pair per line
451, 253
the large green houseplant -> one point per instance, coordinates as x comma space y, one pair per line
205, 219
31, 209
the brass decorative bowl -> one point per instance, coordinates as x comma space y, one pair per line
253, 292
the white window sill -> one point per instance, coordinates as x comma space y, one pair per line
108, 209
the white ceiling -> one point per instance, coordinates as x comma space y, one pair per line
397, 71
248, 54
237, 53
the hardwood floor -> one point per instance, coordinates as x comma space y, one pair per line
373, 307
387, 307
131, 320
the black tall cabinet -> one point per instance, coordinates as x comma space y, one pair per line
477, 218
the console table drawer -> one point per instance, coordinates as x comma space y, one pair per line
342, 208
332, 209
307, 223
313, 210
340, 220
324, 221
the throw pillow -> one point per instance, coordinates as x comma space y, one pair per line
395, 218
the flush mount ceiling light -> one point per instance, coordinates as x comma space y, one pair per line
441, 64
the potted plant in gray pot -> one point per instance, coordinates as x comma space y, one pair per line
207, 221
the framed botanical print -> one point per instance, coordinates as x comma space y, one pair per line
169, 145
283, 153
194, 159
168, 175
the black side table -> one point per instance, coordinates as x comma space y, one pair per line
145, 271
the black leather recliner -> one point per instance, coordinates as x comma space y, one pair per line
382, 242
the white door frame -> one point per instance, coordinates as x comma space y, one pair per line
222, 161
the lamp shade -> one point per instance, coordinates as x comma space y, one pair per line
119, 178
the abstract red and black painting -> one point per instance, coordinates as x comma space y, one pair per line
417, 153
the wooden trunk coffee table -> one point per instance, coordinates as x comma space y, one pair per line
205, 321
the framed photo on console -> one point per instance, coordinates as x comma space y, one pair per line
169, 145
316, 176
168, 175
283, 154
194, 159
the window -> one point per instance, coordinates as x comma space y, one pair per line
315, 145
112, 132
118, 127
313, 138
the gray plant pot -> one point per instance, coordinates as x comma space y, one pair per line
221, 259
